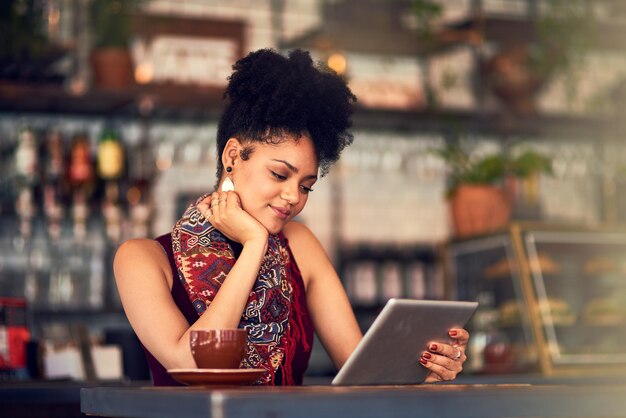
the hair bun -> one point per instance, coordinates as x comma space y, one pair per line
272, 94
257, 75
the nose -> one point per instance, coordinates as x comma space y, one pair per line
291, 194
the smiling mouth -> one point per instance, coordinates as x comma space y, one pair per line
281, 213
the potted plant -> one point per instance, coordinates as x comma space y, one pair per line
425, 12
26, 52
563, 35
479, 199
111, 24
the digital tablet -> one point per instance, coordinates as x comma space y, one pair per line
390, 350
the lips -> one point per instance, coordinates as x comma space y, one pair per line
282, 213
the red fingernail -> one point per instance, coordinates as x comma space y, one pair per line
453, 333
433, 347
424, 362
427, 356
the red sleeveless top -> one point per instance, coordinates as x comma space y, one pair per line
160, 377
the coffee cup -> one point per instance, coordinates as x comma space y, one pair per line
218, 348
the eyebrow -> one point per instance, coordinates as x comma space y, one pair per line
294, 169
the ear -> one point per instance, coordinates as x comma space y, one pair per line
231, 152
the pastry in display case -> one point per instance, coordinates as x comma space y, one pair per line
603, 311
556, 297
592, 287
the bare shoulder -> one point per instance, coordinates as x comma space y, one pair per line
300, 237
138, 255
307, 250
140, 248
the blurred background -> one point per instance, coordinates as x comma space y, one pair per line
488, 164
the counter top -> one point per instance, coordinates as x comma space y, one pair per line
436, 400
47, 399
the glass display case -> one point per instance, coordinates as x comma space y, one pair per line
552, 299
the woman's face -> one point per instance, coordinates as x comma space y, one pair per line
274, 182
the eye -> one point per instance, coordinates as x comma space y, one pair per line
306, 189
278, 176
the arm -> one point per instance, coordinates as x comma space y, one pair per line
143, 281
334, 319
328, 303
144, 278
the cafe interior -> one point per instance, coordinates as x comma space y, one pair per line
488, 165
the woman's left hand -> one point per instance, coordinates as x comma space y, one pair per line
445, 361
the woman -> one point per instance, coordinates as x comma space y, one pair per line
236, 258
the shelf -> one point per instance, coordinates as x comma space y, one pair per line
51, 98
486, 123
202, 104
510, 30
163, 100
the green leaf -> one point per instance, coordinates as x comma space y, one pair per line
111, 21
529, 163
492, 168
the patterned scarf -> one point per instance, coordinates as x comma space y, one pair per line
204, 257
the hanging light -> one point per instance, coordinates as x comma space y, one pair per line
337, 62
144, 73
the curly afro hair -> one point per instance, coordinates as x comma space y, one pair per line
272, 96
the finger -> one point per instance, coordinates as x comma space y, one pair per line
203, 208
443, 361
204, 204
460, 335
207, 213
452, 352
213, 208
441, 372
233, 200
215, 200
222, 200
222, 204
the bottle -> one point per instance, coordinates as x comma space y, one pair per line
141, 171
80, 215
73, 287
54, 165
111, 169
81, 172
110, 156
54, 185
95, 292
25, 210
26, 158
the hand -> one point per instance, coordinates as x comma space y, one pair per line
224, 211
445, 361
